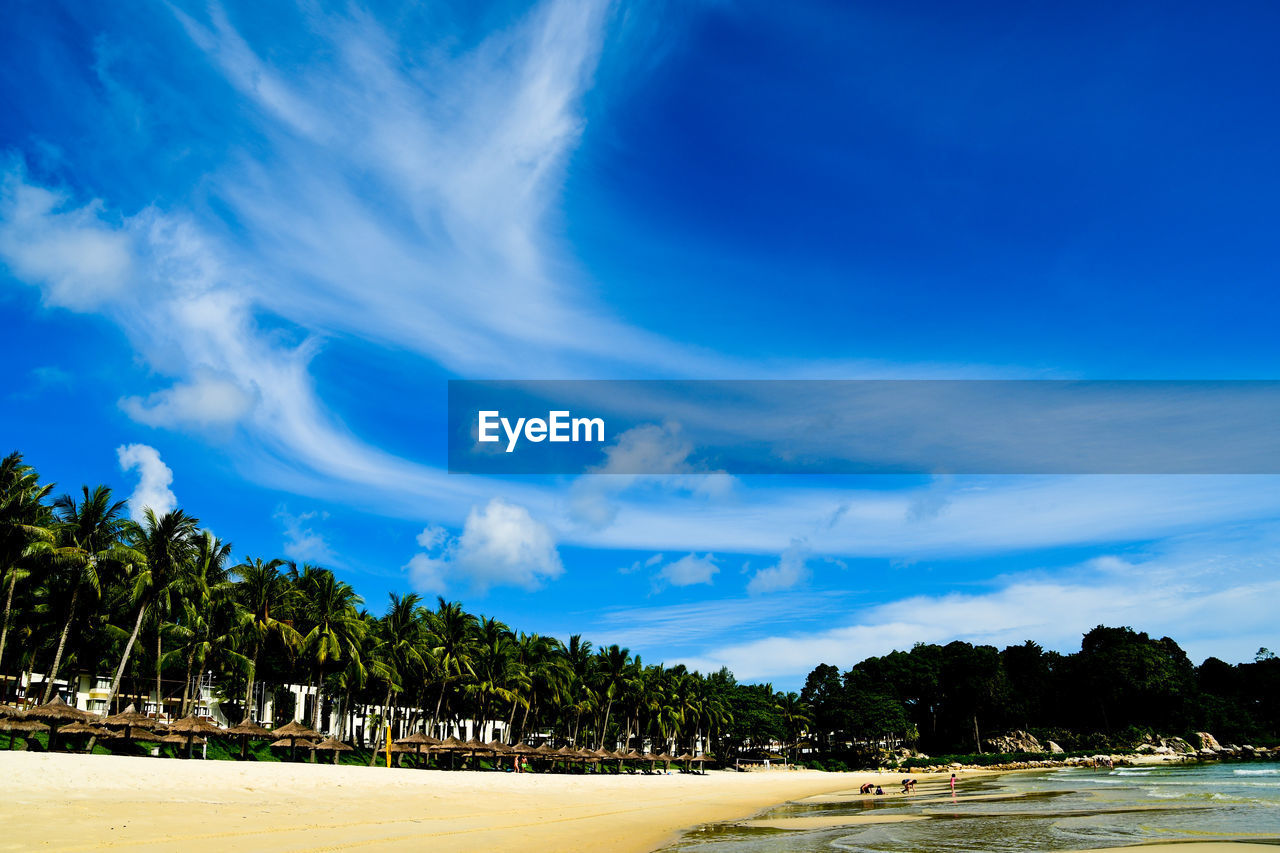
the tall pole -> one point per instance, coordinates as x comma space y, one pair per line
388, 746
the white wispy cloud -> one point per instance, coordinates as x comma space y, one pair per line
302, 542
501, 544
791, 570
154, 480
1213, 595
688, 571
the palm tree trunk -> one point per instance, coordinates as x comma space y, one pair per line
319, 701
524, 718
4, 624
128, 650
62, 644
186, 684
248, 693
159, 700
377, 738
607, 708
439, 700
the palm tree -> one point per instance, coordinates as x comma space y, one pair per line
450, 645
24, 529
795, 718
167, 545
546, 673
398, 649
266, 598
88, 541
335, 627
616, 669
207, 625
494, 669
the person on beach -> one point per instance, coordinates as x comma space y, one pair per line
953, 783
879, 791
866, 789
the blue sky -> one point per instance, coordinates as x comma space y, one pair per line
241, 253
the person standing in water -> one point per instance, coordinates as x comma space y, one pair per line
953, 783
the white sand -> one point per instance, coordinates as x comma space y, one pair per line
79, 802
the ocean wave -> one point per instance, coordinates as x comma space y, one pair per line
1268, 772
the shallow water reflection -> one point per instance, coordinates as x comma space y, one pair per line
1068, 809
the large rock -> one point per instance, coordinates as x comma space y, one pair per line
1177, 744
1015, 741
1054, 748
1208, 741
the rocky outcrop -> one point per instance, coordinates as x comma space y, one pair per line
1015, 741
1208, 741
1054, 748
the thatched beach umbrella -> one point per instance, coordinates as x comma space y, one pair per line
520, 753
10, 712
184, 739
452, 746
83, 728
475, 746
294, 732
417, 741
129, 719
27, 727
247, 730
499, 749
54, 713
332, 744
191, 725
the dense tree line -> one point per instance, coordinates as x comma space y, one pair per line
153, 605
1121, 685
88, 591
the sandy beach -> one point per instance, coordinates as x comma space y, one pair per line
76, 802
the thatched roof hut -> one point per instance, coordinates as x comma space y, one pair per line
128, 718
11, 725
296, 730
182, 739
57, 711
193, 725
251, 730
84, 729
332, 744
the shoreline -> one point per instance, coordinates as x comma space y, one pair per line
94, 802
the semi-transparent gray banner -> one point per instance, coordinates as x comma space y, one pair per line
864, 427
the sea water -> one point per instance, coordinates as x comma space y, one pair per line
1064, 809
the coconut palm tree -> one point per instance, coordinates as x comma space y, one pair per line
88, 544
494, 669
796, 717
167, 545
333, 625
397, 645
615, 670
266, 599
25, 530
209, 622
450, 646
